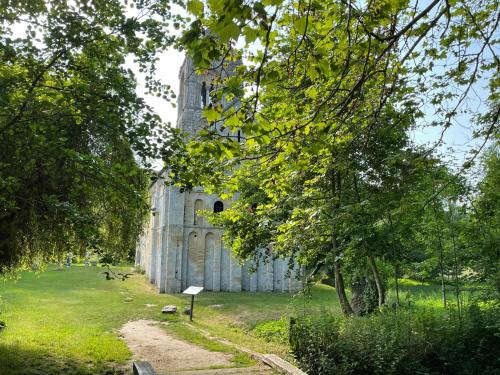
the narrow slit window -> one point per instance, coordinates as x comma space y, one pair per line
203, 95
210, 93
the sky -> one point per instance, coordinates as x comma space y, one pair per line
168, 72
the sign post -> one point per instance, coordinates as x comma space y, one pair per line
191, 310
192, 290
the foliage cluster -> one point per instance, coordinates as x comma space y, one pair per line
406, 341
74, 135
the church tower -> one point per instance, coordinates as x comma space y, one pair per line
196, 93
180, 248
190, 103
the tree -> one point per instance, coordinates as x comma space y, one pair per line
482, 233
321, 208
72, 127
327, 94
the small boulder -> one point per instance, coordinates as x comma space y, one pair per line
169, 309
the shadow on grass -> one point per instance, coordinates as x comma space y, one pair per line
15, 360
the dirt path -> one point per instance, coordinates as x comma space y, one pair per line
148, 342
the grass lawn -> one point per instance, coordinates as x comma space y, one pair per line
66, 322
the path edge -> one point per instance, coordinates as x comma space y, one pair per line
270, 360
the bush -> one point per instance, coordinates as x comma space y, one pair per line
402, 342
273, 330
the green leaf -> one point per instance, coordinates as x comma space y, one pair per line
195, 7
250, 34
229, 31
211, 114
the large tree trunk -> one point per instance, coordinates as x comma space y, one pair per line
339, 280
396, 265
455, 272
340, 288
378, 280
441, 259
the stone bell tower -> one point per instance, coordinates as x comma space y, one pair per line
195, 94
181, 248
189, 104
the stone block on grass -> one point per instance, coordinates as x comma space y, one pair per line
169, 309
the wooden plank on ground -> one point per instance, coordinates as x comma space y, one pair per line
281, 365
143, 368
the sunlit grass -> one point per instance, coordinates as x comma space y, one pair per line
66, 322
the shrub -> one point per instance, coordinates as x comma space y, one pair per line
273, 330
402, 342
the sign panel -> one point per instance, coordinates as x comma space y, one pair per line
193, 290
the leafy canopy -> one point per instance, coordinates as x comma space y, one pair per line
74, 135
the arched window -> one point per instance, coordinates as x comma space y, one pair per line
218, 207
203, 95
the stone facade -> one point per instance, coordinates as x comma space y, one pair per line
180, 248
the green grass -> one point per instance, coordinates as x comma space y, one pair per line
66, 322
427, 295
248, 309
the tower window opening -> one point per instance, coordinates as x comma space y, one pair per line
239, 136
203, 95
218, 207
210, 93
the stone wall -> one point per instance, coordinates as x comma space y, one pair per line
180, 248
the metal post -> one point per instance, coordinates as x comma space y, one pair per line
192, 305
192, 290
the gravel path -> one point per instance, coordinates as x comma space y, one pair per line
148, 342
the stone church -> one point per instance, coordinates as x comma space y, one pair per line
180, 248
